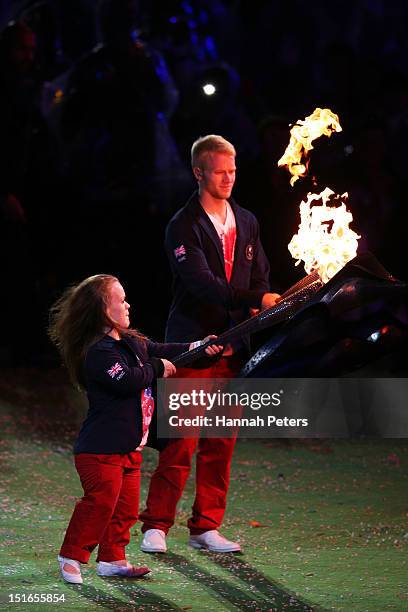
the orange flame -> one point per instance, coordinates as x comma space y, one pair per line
324, 241
322, 122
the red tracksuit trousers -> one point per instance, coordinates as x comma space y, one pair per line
213, 462
108, 508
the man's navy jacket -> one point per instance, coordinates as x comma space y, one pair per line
114, 380
204, 301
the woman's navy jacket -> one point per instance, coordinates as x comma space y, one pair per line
204, 302
114, 381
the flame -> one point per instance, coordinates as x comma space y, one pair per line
324, 241
322, 122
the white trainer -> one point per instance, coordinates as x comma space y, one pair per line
103, 568
214, 541
73, 578
154, 541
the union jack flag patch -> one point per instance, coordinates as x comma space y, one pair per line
180, 252
115, 369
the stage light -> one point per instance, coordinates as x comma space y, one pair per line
209, 89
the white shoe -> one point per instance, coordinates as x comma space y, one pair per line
214, 541
103, 568
154, 541
68, 576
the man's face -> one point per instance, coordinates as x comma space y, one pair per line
217, 175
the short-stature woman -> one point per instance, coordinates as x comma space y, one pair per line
116, 366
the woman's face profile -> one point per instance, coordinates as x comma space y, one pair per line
117, 308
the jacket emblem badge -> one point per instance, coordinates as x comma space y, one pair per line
180, 253
114, 370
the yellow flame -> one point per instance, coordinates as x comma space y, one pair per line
324, 241
322, 122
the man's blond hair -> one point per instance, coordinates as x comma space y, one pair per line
205, 145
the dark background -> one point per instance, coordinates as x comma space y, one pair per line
101, 101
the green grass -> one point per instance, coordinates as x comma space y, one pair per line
324, 526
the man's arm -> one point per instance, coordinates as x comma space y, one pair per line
260, 274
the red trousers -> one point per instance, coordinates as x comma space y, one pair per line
108, 508
212, 470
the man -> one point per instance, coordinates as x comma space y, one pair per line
220, 272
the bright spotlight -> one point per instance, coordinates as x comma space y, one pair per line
209, 89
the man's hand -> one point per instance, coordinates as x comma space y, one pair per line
269, 300
169, 368
213, 349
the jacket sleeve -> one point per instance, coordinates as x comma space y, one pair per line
107, 367
260, 267
168, 350
193, 269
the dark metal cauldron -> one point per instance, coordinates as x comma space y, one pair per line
357, 322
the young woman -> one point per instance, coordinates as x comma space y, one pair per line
116, 366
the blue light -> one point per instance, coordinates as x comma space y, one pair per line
188, 9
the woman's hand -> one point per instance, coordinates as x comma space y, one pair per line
211, 350
169, 368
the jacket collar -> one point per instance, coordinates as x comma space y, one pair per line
195, 208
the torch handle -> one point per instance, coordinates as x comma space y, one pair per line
289, 304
